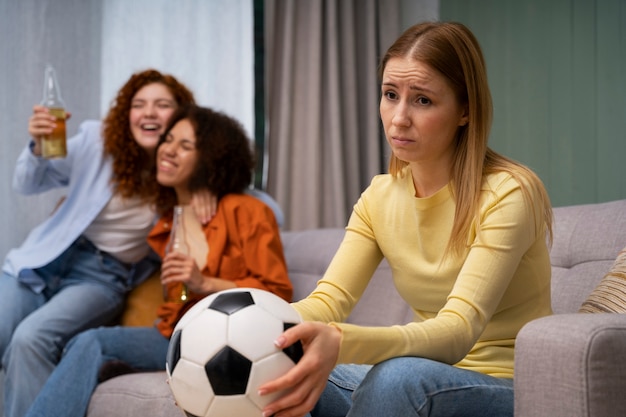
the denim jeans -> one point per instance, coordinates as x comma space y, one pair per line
84, 288
405, 387
68, 390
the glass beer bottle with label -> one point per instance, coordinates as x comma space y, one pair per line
55, 144
177, 243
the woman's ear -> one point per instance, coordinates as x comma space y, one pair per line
464, 116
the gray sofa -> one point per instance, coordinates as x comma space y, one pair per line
568, 365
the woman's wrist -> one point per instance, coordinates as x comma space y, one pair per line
35, 147
213, 285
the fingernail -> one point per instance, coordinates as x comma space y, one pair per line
279, 342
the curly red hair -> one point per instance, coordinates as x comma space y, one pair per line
131, 163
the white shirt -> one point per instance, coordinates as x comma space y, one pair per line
121, 228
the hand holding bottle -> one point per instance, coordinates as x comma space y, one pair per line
178, 267
41, 124
54, 144
176, 250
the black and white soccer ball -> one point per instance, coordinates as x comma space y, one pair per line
223, 349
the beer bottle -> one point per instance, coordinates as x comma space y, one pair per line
177, 243
54, 145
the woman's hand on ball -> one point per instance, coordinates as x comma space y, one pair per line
306, 381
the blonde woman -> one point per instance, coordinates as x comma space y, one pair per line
464, 230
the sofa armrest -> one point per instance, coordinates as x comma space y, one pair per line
571, 365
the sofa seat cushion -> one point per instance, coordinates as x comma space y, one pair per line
142, 302
609, 296
131, 395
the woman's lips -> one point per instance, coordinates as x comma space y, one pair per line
166, 165
151, 127
401, 141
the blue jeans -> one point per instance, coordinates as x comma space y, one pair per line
85, 288
405, 387
68, 390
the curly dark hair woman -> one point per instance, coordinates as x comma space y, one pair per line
131, 164
225, 158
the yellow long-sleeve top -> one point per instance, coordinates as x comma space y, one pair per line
468, 308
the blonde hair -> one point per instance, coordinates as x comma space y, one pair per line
452, 50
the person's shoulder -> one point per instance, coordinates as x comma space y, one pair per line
382, 178
90, 130
496, 179
91, 123
383, 181
503, 185
500, 182
88, 140
235, 200
91, 126
507, 181
244, 207
385, 185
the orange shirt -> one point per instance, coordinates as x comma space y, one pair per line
244, 246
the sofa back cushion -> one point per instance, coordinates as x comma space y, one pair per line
587, 239
309, 253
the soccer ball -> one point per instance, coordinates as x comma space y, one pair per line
223, 349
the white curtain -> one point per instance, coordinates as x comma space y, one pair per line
208, 45
95, 45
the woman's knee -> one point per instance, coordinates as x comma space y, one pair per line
31, 346
32, 338
85, 338
391, 373
417, 386
405, 379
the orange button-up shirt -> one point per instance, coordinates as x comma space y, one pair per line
244, 247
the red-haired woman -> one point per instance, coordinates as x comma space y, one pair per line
74, 269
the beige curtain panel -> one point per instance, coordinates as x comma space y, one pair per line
324, 140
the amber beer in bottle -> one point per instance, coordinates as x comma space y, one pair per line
177, 243
55, 144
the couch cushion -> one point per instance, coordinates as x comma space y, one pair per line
610, 294
586, 240
131, 395
142, 302
308, 254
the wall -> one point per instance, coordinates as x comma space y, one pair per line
32, 34
557, 72
418, 11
